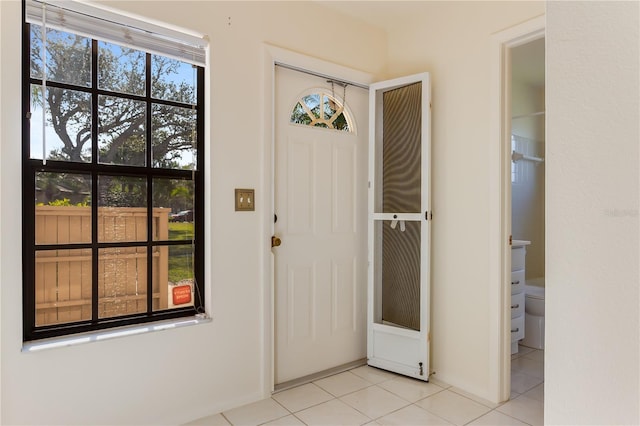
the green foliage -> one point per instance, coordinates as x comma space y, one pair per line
67, 202
180, 257
179, 270
123, 136
180, 230
121, 121
330, 108
120, 191
63, 189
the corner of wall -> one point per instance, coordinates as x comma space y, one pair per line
593, 52
1, 127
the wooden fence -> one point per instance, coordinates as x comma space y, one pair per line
64, 277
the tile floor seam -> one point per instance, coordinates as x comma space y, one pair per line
272, 420
314, 405
357, 390
276, 401
225, 417
481, 415
279, 418
413, 402
499, 412
301, 421
364, 414
421, 399
529, 375
490, 407
527, 389
429, 396
431, 412
520, 420
391, 412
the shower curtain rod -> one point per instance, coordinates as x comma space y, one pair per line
317, 74
517, 156
533, 114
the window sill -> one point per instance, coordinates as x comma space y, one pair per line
97, 336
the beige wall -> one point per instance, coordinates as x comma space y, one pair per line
452, 40
194, 371
592, 283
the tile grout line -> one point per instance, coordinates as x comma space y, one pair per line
364, 414
478, 402
520, 420
433, 414
225, 417
277, 418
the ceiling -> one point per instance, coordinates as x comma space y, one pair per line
382, 14
527, 60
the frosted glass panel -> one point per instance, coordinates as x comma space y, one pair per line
398, 274
401, 150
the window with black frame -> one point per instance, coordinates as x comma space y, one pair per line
113, 160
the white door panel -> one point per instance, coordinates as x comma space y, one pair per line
320, 203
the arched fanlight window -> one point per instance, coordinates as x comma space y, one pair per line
322, 109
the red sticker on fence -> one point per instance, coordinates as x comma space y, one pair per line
181, 294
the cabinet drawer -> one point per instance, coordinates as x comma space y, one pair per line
517, 258
517, 328
517, 282
517, 305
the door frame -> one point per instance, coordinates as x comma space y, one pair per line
500, 201
273, 55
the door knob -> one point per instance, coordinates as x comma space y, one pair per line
275, 241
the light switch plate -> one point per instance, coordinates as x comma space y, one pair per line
245, 200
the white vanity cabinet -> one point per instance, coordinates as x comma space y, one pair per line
518, 254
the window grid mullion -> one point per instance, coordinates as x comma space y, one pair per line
95, 89
198, 208
95, 251
149, 167
28, 210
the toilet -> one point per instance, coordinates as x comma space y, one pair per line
534, 314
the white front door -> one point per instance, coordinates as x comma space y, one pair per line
399, 225
321, 221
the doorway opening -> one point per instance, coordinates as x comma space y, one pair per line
500, 230
527, 131
276, 59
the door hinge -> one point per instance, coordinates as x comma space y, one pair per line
421, 369
428, 215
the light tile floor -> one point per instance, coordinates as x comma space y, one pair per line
368, 396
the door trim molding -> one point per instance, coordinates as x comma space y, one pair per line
500, 201
273, 55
